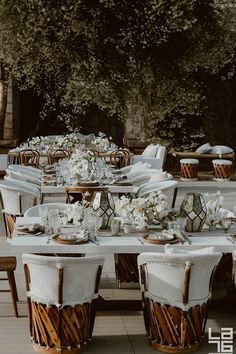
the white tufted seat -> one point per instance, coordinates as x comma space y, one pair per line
61, 294
176, 292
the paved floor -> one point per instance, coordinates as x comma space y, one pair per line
115, 332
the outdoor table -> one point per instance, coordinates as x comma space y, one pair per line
124, 243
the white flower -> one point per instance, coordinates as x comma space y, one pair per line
141, 210
78, 162
101, 143
214, 203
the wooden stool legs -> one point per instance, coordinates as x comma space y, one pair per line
13, 290
8, 265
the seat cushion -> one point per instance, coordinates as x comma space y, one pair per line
221, 150
150, 151
204, 149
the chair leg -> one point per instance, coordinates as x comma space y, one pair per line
14, 295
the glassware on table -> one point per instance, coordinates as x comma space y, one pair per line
225, 224
92, 222
43, 213
54, 221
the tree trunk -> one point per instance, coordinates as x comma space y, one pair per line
4, 75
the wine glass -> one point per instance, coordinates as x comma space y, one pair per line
43, 212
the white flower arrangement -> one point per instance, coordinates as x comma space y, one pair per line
101, 142
215, 210
38, 141
140, 211
68, 141
76, 212
78, 162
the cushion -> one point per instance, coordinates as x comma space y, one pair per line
156, 177
204, 149
221, 150
150, 151
177, 250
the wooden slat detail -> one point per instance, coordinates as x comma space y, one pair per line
126, 268
75, 329
172, 329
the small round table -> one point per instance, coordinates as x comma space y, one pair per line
189, 169
221, 170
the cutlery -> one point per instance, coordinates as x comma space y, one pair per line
186, 238
96, 242
230, 239
140, 239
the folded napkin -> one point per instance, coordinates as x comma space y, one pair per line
28, 220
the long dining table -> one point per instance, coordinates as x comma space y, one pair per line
124, 243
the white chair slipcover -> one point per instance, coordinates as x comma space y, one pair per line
27, 169
23, 176
17, 196
79, 278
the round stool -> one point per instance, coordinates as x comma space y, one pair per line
222, 170
189, 169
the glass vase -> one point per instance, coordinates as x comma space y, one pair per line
194, 208
103, 203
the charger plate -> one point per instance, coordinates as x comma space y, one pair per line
57, 239
147, 239
88, 184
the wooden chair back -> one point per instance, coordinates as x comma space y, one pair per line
74, 194
29, 157
58, 154
120, 158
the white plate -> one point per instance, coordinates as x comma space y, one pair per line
161, 237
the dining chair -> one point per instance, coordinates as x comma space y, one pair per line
8, 266
120, 158
16, 197
176, 289
61, 294
29, 157
57, 154
74, 194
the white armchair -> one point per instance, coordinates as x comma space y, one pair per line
167, 187
35, 172
156, 160
61, 294
176, 291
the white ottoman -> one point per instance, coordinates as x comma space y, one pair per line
221, 170
189, 169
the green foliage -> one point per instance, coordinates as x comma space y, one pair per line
155, 54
